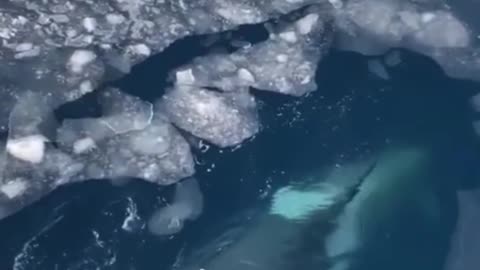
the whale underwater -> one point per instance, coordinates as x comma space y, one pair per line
341, 217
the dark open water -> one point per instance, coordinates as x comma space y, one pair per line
353, 112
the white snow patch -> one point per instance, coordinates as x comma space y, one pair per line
30, 149
79, 59
14, 188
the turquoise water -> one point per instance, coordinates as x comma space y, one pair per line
353, 114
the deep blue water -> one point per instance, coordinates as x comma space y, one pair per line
353, 112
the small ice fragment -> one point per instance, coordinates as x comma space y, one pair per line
113, 18
79, 59
83, 145
13, 188
377, 68
185, 76
30, 149
89, 24
22, 47
393, 58
85, 87
187, 204
141, 49
288, 36
282, 58
427, 17
245, 75
305, 25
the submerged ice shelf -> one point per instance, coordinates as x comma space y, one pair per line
54, 52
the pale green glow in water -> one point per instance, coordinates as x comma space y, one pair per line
299, 204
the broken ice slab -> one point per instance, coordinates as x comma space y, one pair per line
121, 113
65, 49
429, 27
23, 181
131, 30
224, 119
32, 111
285, 63
157, 153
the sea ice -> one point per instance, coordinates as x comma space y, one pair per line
285, 63
225, 119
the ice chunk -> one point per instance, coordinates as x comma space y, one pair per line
376, 67
393, 58
285, 63
442, 30
29, 149
222, 119
187, 204
83, 145
79, 59
31, 111
372, 27
157, 154
475, 101
89, 24
307, 23
185, 77
14, 188
121, 113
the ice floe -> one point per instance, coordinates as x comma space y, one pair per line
285, 63
225, 119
